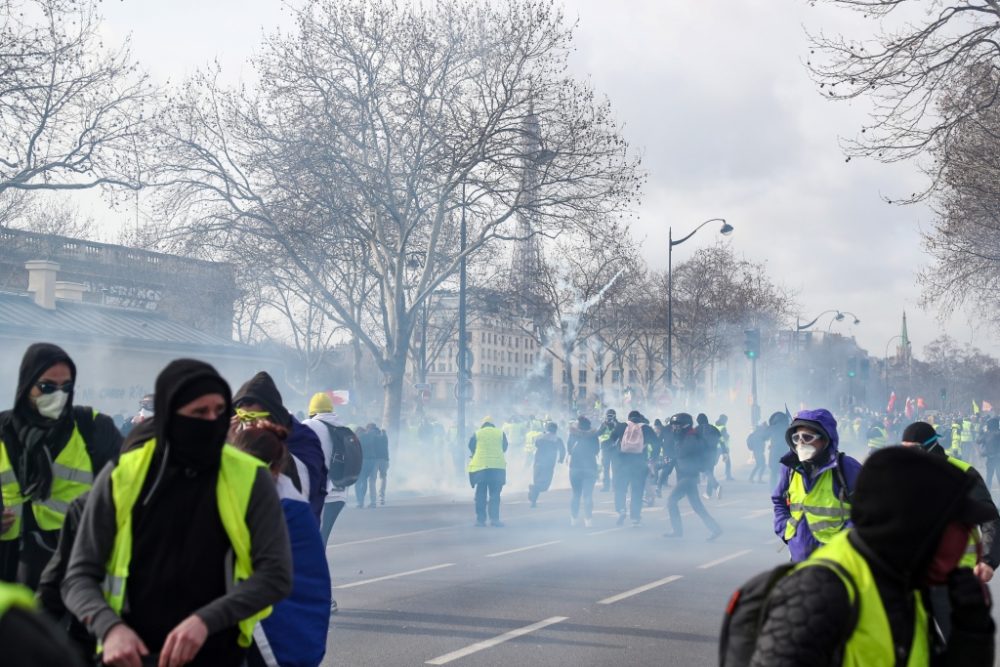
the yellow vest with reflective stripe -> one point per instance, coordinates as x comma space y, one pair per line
489, 450
871, 641
970, 558
72, 476
823, 512
235, 483
878, 441
967, 432
15, 595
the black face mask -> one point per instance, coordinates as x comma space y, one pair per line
196, 443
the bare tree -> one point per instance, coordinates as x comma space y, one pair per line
378, 126
72, 113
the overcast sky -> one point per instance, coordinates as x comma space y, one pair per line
716, 97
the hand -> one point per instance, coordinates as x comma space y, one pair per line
984, 572
7, 521
123, 648
184, 642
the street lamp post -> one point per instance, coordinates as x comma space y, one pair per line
885, 363
463, 371
725, 230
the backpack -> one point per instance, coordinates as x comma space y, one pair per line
747, 610
632, 441
345, 462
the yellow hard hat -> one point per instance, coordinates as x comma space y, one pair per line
320, 402
487, 419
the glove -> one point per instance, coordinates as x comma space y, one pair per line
970, 600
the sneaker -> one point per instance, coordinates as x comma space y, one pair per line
706, 496
333, 607
587, 523
496, 524
621, 519
572, 521
718, 493
480, 524
636, 523
714, 536
381, 501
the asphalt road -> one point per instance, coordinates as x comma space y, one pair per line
417, 583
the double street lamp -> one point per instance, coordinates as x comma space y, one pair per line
838, 317
725, 230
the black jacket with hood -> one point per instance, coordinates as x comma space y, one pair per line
180, 548
899, 520
32, 443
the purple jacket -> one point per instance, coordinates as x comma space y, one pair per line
804, 543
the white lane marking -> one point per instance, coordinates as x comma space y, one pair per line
720, 561
490, 643
393, 576
730, 502
606, 530
641, 589
392, 537
757, 513
515, 551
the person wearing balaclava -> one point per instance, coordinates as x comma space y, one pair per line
923, 436
182, 545
50, 452
861, 598
259, 400
812, 500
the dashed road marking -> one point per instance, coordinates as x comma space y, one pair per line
514, 551
641, 589
392, 537
500, 639
757, 513
606, 530
394, 576
720, 561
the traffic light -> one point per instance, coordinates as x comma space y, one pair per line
852, 367
751, 343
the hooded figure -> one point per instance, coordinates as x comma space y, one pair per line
303, 443
810, 500
912, 516
41, 434
184, 543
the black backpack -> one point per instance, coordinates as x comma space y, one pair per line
747, 610
345, 463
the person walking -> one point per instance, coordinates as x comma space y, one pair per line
182, 546
989, 450
488, 471
548, 447
812, 501
380, 465
722, 423
710, 438
366, 478
608, 451
691, 458
50, 452
584, 448
757, 443
859, 599
632, 441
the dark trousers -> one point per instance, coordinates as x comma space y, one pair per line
330, 513
488, 486
630, 473
992, 468
364, 479
607, 455
759, 466
582, 482
728, 460
688, 487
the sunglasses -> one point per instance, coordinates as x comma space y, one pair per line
805, 437
52, 387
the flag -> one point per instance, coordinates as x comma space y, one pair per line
908, 409
975, 408
920, 403
340, 396
892, 402
987, 406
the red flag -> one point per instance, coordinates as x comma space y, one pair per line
892, 402
987, 406
920, 403
908, 410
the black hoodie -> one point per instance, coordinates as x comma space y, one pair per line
32, 443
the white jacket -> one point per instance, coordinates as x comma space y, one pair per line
319, 426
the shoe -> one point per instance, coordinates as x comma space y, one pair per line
381, 501
480, 524
587, 523
673, 534
706, 496
621, 519
333, 607
636, 523
572, 521
361, 506
714, 536
496, 524
534, 504
718, 493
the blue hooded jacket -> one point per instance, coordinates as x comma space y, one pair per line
804, 543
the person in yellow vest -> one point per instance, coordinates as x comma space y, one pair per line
50, 452
26, 637
968, 437
182, 546
983, 554
859, 599
488, 471
876, 437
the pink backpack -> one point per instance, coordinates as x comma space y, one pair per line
632, 440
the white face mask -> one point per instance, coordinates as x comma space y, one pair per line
51, 405
805, 452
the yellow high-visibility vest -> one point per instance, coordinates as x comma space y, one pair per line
824, 513
489, 450
233, 488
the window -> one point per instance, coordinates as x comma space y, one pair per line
517, 357
517, 342
582, 392
582, 377
565, 376
482, 337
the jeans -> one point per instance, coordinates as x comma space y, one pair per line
688, 486
380, 468
759, 465
582, 481
488, 484
361, 486
992, 468
330, 513
607, 456
630, 472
